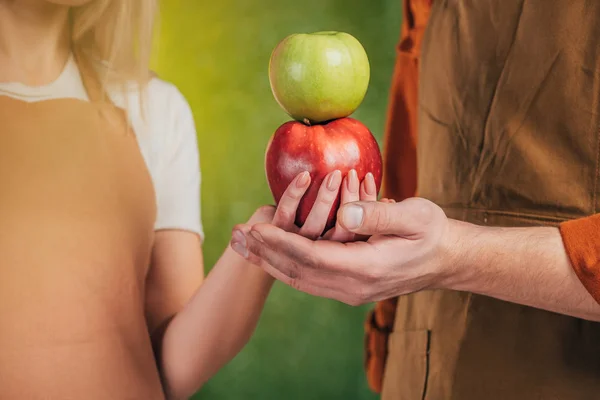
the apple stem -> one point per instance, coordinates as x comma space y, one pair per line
306, 121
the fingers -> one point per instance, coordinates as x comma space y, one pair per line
317, 218
322, 268
349, 193
368, 192
239, 244
288, 204
351, 187
289, 274
302, 248
409, 218
274, 244
368, 189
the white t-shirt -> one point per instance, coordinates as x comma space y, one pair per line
166, 135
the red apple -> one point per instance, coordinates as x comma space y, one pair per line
342, 144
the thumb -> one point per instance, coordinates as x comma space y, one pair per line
408, 218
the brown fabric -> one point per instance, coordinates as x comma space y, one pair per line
400, 166
77, 211
580, 238
508, 122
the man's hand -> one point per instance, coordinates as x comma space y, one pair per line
413, 246
408, 250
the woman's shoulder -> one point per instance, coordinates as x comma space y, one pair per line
159, 99
160, 91
158, 110
167, 138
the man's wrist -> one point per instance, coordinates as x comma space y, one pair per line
475, 254
455, 255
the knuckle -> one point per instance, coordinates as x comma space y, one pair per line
291, 196
318, 260
325, 199
423, 210
266, 210
381, 218
285, 214
311, 260
294, 273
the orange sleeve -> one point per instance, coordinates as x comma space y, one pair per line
400, 167
400, 139
581, 238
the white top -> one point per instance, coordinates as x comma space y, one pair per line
166, 135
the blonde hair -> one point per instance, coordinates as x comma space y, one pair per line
119, 34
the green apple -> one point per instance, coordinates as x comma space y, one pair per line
320, 76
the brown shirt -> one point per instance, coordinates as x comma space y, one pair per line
580, 234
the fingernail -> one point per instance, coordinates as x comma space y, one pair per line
352, 216
333, 182
352, 181
240, 249
370, 184
256, 236
303, 180
239, 237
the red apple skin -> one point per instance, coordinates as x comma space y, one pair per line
342, 144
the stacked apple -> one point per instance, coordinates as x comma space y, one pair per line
319, 79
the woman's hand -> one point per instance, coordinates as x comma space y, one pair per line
284, 215
351, 190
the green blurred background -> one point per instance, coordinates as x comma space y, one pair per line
217, 53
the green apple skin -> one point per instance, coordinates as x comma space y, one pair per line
319, 77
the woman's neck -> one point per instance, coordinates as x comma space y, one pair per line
34, 41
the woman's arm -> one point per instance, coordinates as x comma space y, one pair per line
197, 327
195, 338
222, 314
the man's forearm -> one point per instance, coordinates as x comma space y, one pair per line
214, 326
522, 265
